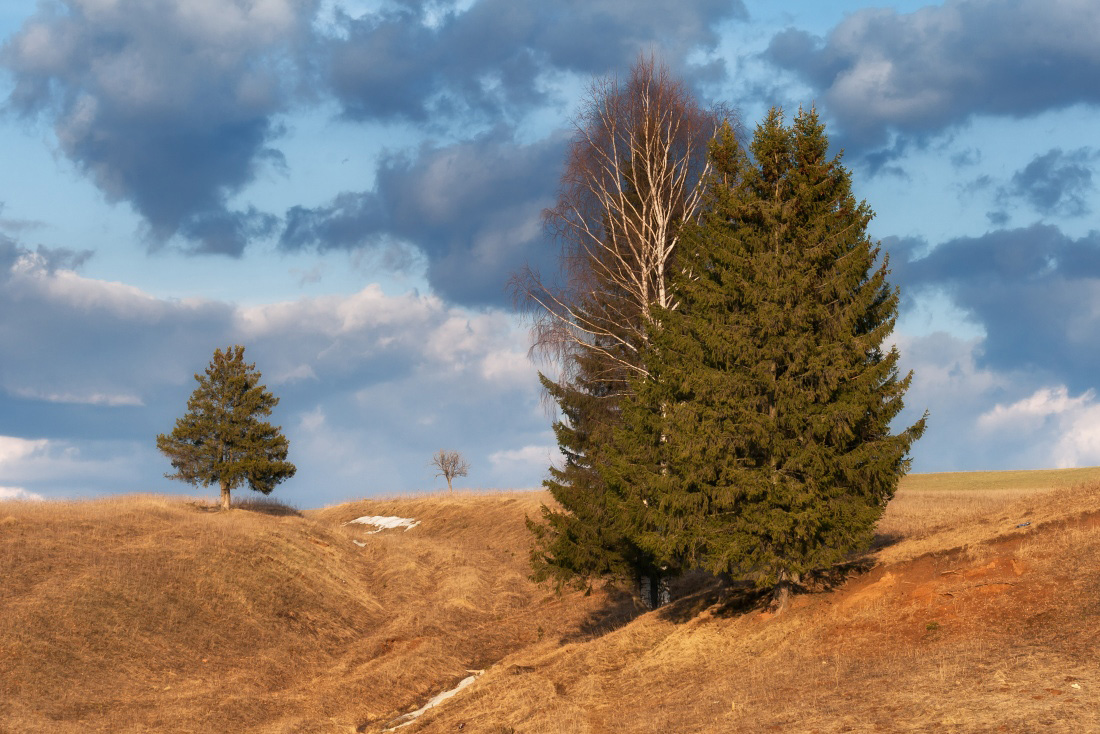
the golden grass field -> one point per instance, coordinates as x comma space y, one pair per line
156, 614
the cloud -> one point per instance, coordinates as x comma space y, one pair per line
981, 417
541, 456
13, 448
176, 106
18, 493
473, 209
82, 356
95, 398
880, 71
1056, 182
1033, 409
13, 227
168, 105
491, 60
949, 383
59, 468
1065, 429
370, 383
1034, 290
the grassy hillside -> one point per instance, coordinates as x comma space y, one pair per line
1012, 480
155, 614
965, 623
143, 614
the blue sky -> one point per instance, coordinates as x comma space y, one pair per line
345, 186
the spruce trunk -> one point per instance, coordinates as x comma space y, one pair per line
782, 592
225, 495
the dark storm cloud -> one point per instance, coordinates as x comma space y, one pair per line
165, 104
225, 232
473, 208
917, 74
1056, 183
414, 61
1034, 290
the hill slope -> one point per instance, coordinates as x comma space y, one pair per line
154, 614
967, 623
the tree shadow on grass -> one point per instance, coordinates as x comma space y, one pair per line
700, 592
267, 506
261, 505
827, 579
621, 608
884, 540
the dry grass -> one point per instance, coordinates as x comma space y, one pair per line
967, 624
1022, 479
153, 614
142, 614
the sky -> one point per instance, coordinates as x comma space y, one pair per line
345, 187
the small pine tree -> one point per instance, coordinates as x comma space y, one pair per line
221, 438
761, 445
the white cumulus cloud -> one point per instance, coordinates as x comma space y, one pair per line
531, 456
1043, 403
1063, 429
18, 493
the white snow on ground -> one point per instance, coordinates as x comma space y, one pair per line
414, 715
383, 522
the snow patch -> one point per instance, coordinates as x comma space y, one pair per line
440, 698
385, 522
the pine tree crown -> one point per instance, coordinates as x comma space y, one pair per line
221, 439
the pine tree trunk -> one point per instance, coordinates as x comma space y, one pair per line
225, 495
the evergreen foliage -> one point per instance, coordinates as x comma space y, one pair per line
760, 444
633, 176
583, 539
221, 439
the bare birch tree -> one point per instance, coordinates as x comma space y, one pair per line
633, 177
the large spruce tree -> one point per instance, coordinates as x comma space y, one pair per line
633, 176
760, 443
222, 439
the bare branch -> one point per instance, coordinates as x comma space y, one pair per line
450, 465
634, 175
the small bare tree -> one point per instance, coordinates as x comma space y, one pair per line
450, 465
